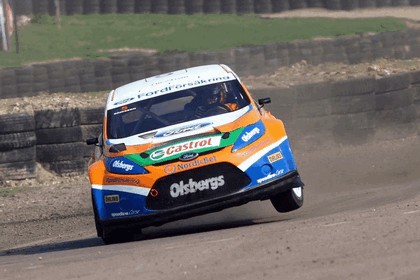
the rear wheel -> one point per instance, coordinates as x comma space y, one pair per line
289, 200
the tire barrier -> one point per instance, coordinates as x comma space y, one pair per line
107, 6
346, 112
60, 137
244, 6
73, 7
212, 7
23, 7
193, 6
160, 6
228, 6
91, 7
126, 7
143, 6
262, 7
17, 145
108, 73
298, 4
315, 3
176, 7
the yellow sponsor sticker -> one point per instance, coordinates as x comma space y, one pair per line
275, 157
114, 198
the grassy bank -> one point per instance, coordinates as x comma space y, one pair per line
92, 36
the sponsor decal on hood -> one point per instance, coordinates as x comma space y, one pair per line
122, 165
181, 129
193, 145
250, 134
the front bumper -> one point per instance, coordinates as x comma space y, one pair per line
261, 192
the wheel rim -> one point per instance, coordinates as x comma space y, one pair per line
297, 191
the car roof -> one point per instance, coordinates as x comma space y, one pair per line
169, 82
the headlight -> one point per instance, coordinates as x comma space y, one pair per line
249, 135
122, 165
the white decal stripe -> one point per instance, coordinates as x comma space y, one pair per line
254, 158
123, 188
216, 121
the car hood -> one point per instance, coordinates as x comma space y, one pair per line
191, 134
182, 130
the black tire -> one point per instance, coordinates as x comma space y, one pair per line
228, 6
160, 6
212, 7
74, 7
40, 7
67, 167
143, 6
399, 3
23, 7
367, 4
244, 6
90, 131
59, 135
91, 115
262, 7
17, 140
315, 4
63, 152
18, 155
19, 122
91, 7
297, 4
24, 80
176, 7
8, 83
17, 170
287, 201
57, 118
383, 3
333, 4
126, 6
108, 6
194, 6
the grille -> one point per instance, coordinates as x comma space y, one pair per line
196, 185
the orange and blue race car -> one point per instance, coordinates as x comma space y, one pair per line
183, 144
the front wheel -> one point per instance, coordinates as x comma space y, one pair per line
289, 200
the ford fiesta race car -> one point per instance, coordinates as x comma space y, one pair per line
183, 144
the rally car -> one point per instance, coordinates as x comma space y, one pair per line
183, 144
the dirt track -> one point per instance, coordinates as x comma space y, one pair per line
360, 220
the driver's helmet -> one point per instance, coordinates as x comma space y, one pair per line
217, 95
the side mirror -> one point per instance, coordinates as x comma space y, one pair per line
263, 101
92, 141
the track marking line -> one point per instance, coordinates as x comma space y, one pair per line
412, 212
335, 224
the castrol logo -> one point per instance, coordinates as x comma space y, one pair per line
183, 147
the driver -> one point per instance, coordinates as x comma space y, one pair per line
215, 102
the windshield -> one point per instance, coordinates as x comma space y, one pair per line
177, 107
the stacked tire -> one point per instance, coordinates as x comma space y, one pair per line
17, 146
59, 147
61, 135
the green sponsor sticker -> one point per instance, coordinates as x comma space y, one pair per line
197, 145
